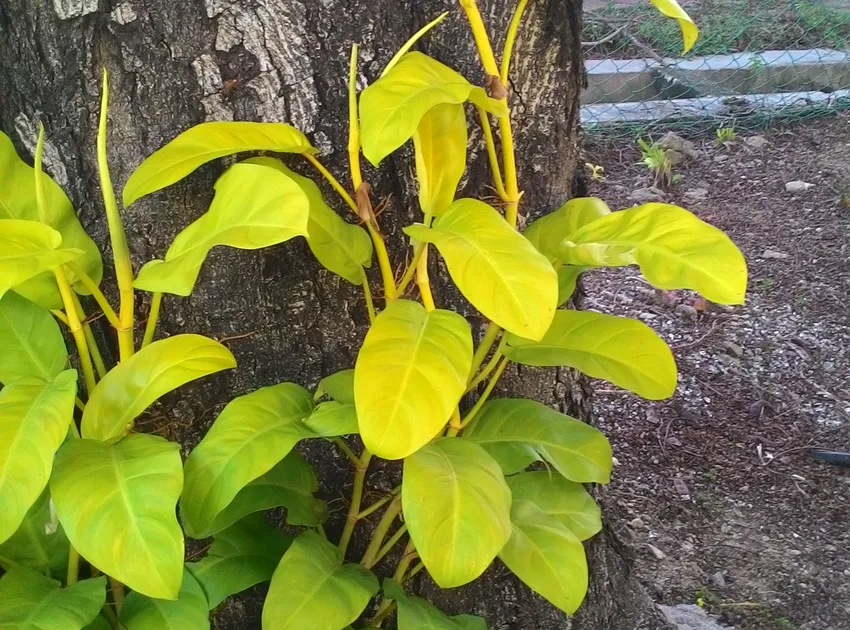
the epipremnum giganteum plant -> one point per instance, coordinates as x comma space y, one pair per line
497, 478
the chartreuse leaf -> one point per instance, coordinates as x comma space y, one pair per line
29, 601
188, 612
440, 149
312, 588
546, 555
672, 247
567, 281
624, 351
415, 613
252, 434
39, 543
340, 247
254, 206
566, 501
496, 268
339, 386
513, 457
205, 142
671, 9
456, 506
291, 483
331, 419
392, 107
34, 420
549, 231
99, 623
134, 384
27, 249
18, 201
124, 494
241, 556
576, 450
31, 340
410, 374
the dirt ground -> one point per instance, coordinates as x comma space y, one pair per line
717, 489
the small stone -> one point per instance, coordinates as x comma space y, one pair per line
733, 348
687, 311
756, 142
652, 415
682, 489
756, 410
828, 366
720, 157
674, 441
697, 194
769, 254
718, 580
797, 186
637, 523
644, 195
676, 143
659, 555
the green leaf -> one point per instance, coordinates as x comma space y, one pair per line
671, 9
672, 247
392, 107
340, 247
312, 588
31, 340
566, 501
205, 142
27, 249
567, 280
241, 556
255, 206
339, 386
331, 419
29, 601
547, 556
135, 383
99, 623
410, 374
252, 434
624, 351
415, 613
17, 201
34, 420
188, 612
440, 148
457, 508
513, 457
576, 450
291, 483
549, 231
496, 268
39, 543
125, 494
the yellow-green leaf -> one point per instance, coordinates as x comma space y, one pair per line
566, 501
339, 386
188, 612
31, 340
134, 384
415, 613
410, 374
392, 107
456, 506
496, 268
624, 351
549, 231
27, 249
567, 280
312, 588
254, 206
40, 542
672, 247
252, 434
576, 450
340, 247
34, 420
205, 142
440, 149
671, 9
331, 419
124, 494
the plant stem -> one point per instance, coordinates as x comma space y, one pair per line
487, 342
96, 293
406, 558
367, 293
482, 40
99, 365
383, 527
509, 160
411, 270
356, 498
153, 318
416, 569
60, 316
76, 329
345, 449
423, 282
491, 365
73, 566
384, 610
491, 154
110, 615
485, 394
391, 543
117, 593
510, 38
454, 423
353, 123
377, 504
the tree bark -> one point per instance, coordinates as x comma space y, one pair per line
174, 64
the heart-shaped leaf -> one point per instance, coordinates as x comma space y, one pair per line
205, 142
410, 374
34, 420
130, 388
31, 340
254, 206
566, 501
576, 450
188, 612
252, 434
312, 588
496, 268
672, 247
124, 493
549, 231
457, 507
623, 351
415, 613
339, 386
440, 149
39, 543
331, 419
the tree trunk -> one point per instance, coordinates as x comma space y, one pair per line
174, 64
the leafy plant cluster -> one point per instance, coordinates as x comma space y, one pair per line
90, 505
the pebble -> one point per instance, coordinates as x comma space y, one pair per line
733, 348
718, 580
682, 489
697, 194
687, 311
644, 195
797, 186
756, 142
772, 254
637, 523
659, 555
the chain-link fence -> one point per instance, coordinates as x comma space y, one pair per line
756, 61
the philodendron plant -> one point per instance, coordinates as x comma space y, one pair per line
89, 505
